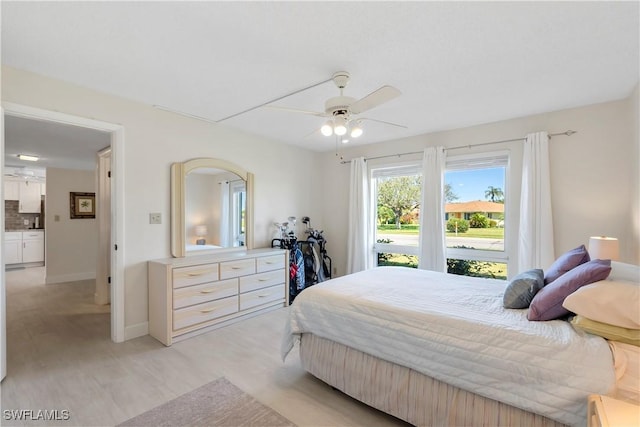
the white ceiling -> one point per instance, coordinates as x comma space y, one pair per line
57, 145
457, 64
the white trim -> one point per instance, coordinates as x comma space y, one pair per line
73, 277
137, 330
3, 289
117, 201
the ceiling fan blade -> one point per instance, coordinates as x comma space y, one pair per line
295, 110
382, 121
375, 98
315, 132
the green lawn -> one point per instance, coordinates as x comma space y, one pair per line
488, 233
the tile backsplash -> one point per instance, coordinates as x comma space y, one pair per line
14, 220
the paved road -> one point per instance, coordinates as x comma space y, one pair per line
471, 242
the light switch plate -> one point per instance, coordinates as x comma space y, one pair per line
155, 218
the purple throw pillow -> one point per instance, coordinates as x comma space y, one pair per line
547, 304
566, 262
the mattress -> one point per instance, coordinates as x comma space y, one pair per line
454, 329
627, 368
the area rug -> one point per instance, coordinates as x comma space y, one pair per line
218, 403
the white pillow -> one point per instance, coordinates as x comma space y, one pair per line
616, 302
622, 271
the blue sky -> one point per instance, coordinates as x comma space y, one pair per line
470, 185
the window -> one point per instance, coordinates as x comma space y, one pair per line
397, 194
476, 215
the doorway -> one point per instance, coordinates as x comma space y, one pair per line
116, 271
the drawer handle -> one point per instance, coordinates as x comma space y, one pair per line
207, 291
236, 268
269, 262
194, 274
263, 295
208, 310
263, 280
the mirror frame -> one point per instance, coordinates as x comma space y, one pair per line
179, 173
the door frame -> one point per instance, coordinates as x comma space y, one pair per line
117, 212
103, 216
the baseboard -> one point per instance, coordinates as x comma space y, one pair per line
135, 331
74, 277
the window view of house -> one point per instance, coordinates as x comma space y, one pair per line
474, 215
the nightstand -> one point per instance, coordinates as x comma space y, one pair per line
604, 411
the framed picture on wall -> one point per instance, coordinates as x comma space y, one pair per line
82, 205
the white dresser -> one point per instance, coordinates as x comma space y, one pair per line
195, 294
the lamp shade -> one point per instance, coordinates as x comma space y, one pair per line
602, 247
201, 230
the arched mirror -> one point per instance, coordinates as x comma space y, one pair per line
211, 207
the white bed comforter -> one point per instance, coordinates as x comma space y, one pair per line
454, 328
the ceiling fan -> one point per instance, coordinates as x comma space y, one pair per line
343, 111
23, 173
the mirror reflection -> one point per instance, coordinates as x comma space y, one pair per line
215, 209
211, 207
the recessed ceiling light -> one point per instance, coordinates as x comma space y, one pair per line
27, 157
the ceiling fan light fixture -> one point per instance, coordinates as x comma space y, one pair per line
327, 128
356, 131
340, 127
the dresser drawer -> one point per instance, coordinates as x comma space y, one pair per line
262, 296
195, 314
261, 280
237, 268
187, 276
269, 263
191, 295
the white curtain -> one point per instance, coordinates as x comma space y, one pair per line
225, 226
360, 239
432, 241
535, 237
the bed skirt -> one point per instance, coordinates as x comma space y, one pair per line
405, 393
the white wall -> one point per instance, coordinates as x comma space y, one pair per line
593, 173
153, 140
71, 244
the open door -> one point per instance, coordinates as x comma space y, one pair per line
103, 216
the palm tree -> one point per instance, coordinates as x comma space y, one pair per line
494, 194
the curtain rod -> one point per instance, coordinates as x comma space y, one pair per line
566, 133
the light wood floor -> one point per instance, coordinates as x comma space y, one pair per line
60, 356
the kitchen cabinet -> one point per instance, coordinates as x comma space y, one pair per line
32, 246
23, 247
29, 197
13, 247
12, 190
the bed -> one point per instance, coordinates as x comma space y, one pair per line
195, 248
440, 349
